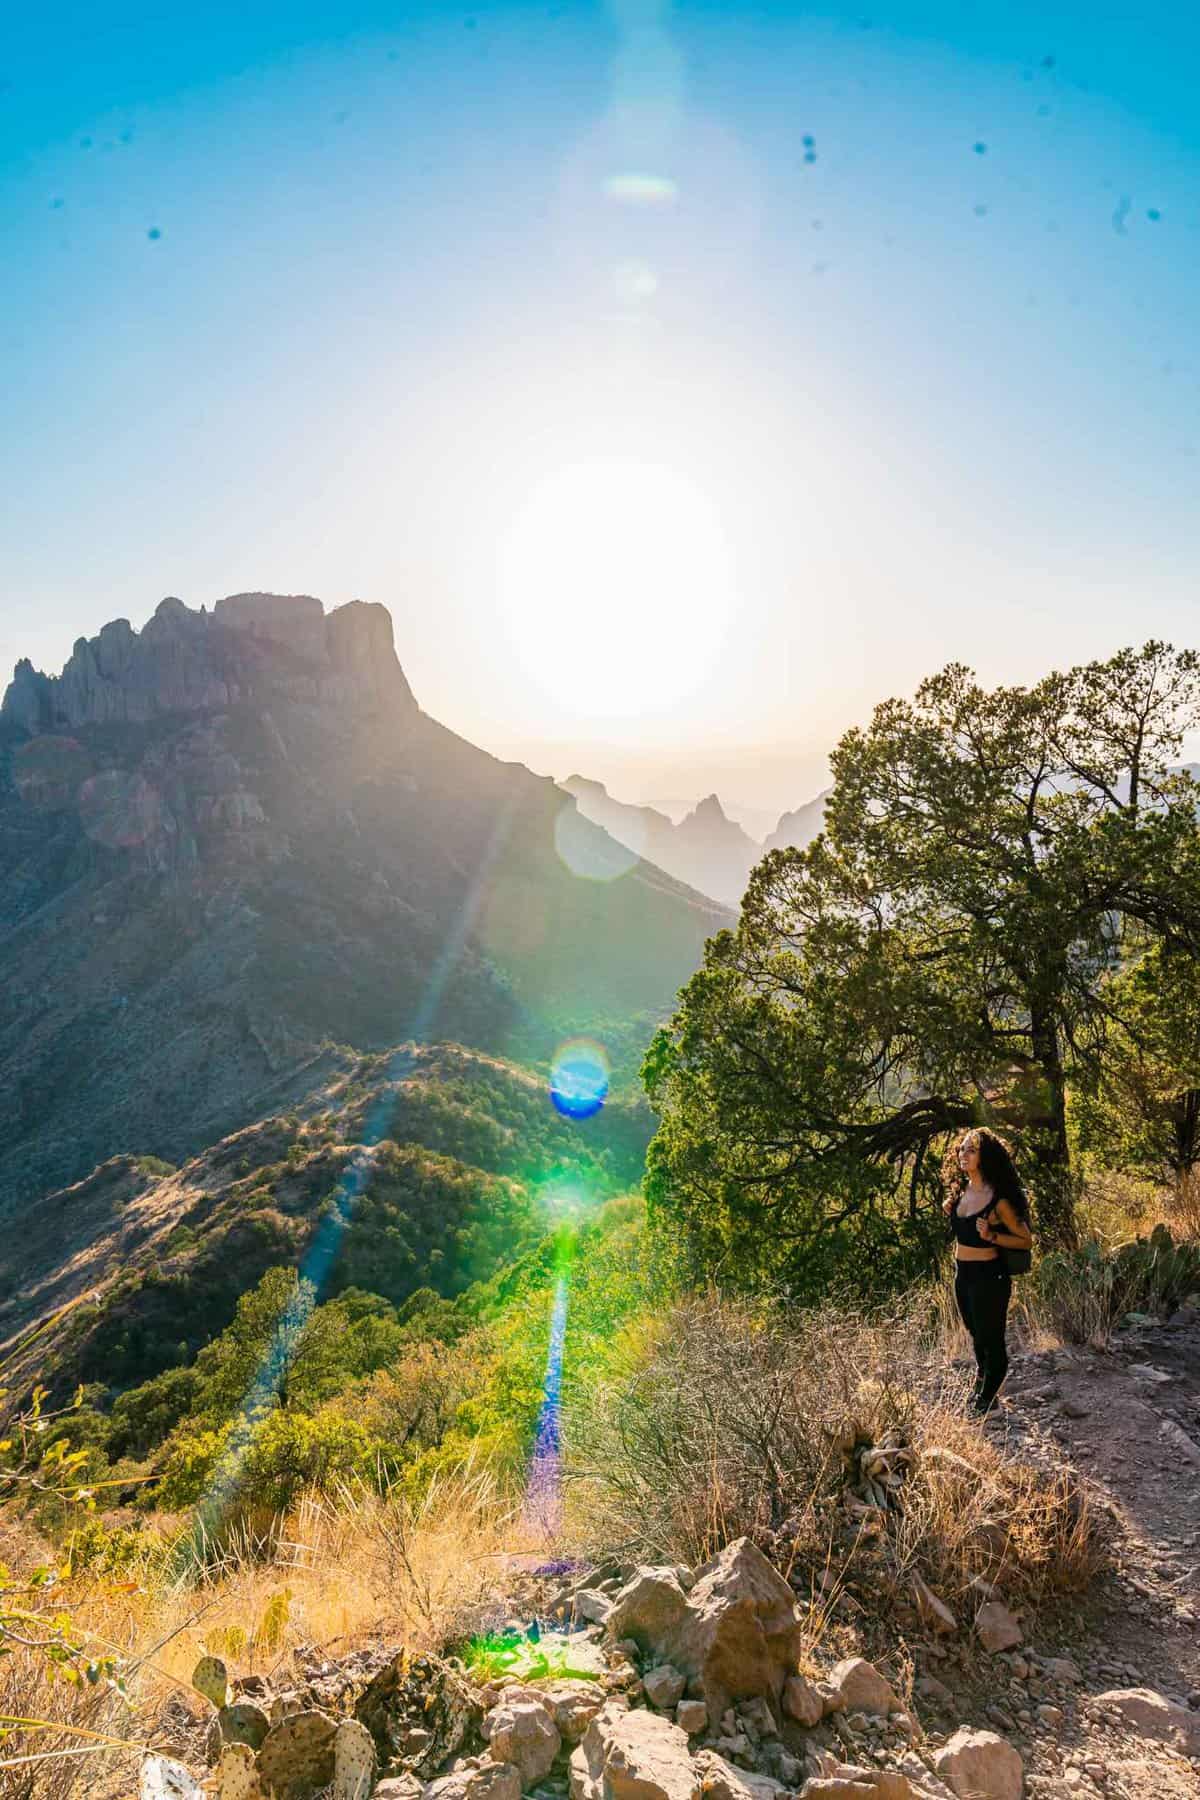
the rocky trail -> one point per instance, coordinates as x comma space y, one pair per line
654, 1683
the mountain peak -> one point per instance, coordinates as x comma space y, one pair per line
250, 646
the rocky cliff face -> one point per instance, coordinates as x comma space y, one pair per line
233, 837
250, 649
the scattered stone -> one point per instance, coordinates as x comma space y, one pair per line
664, 1685
1075, 1409
635, 1755
592, 1605
1063, 1669
719, 1781
802, 1702
1050, 1715
489, 1781
1177, 1439
1154, 1716
933, 1609
857, 1686
692, 1716
756, 1717
936, 1692
574, 1705
647, 1608
979, 1765
996, 1628
521, 1731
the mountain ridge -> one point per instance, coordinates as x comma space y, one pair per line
226, 846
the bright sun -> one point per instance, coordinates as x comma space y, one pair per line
616, 588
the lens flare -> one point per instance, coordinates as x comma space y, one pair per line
579, 1078
636, 189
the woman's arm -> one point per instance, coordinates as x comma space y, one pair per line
1013, 1234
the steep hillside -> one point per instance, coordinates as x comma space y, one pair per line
232, 839
426, 1167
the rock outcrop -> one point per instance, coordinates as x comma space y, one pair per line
250, 648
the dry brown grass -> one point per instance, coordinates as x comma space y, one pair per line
344, 1570
724, 1420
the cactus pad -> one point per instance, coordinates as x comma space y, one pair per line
297, 1755
353, 1761
237, 1776
210, 1677
243, 1722
419, 1710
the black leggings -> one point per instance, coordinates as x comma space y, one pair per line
983, 1291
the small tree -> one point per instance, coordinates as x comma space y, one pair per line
941, 955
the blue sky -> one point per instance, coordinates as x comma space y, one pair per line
903, 299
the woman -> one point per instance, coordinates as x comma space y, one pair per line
988, 1210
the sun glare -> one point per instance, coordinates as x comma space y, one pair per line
616, 588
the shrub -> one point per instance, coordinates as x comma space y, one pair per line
1084, 1294
718, 1420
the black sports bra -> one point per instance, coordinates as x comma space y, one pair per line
964, 1229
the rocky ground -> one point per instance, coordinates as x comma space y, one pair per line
673, 1684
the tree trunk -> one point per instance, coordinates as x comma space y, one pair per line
1051, 1178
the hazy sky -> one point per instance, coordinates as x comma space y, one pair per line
684, 379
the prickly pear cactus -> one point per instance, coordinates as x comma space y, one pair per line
287, 1703
161, 1779
210, 1677
353, 1761
243, 1722
419, 1710
237, 1776
297, 1755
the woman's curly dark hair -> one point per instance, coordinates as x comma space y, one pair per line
996, 1167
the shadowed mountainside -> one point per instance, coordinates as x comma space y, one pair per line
234, 838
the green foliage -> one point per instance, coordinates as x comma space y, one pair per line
1087, 1292
942, 955
1140, 1112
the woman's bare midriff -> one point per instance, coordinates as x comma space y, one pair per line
968, 1253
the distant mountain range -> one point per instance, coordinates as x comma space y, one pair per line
707, 849
233, 839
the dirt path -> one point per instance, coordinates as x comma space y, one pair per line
1128, 1419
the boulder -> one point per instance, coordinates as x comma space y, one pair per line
1154, 1716
857, 1686
737, 1631
664, 1685
574, 1705
521, 1730
979, 1765
647, 1609
691, 1716
802, 1702
634, 1755
489, 1781
849, 1782
996, 1628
